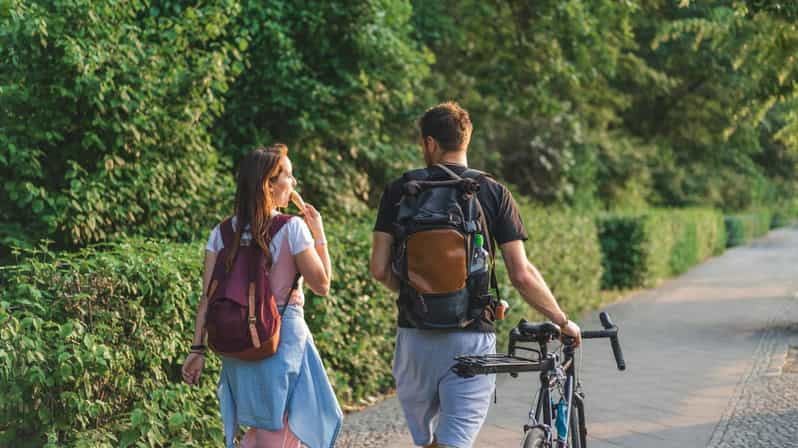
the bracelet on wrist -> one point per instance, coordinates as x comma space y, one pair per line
198, 347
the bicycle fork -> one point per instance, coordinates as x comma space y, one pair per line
547, 416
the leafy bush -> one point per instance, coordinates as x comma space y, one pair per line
742, 228
337, 82
702, 235
104, 117
639, 248
92, 345
622, 241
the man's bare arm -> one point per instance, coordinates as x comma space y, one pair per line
380, 264
530, 284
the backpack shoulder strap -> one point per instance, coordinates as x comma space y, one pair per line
446, 170
479, 175
417, 174
476, 174
277, 223
228, 234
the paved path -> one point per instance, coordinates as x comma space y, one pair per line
708, 364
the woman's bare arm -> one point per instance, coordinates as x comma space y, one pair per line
202, 307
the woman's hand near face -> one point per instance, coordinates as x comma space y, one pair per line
313, 220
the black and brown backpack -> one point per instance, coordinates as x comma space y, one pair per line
444, 274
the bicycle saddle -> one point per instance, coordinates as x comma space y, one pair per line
544, 331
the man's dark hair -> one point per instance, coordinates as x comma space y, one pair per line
448, 123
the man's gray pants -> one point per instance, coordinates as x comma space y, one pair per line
433, 398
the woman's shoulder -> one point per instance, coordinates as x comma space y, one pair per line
295, 223
298, 233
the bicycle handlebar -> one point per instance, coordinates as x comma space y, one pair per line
610, 331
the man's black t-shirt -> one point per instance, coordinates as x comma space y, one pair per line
501, 213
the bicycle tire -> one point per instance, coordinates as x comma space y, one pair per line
534, 438
574, 437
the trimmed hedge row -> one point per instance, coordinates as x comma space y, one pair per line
742, 228
92, 342
639, 248
784, 213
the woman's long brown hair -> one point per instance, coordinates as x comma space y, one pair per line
254, 201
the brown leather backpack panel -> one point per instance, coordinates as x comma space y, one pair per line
446, 270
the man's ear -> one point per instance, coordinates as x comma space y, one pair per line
433, 147
432, 144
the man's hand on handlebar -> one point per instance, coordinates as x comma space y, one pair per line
572, 330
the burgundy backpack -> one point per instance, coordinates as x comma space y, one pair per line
242, 319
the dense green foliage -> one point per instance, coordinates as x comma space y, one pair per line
92, 345
640, 248
120, 119
625, 103
335, 81
104, 116
784, 213
353, 327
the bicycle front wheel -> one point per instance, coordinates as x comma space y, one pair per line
534, 438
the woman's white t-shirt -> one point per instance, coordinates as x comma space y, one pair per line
298, 237
297, 232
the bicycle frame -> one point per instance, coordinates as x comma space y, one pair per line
553, 375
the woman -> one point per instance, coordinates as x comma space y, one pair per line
285, 399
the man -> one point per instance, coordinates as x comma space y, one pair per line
427, 389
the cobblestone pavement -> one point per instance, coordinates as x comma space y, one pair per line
763, 412
705, 355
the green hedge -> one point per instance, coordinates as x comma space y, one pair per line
92, 345
564, 246
784, 213
639, 248
742, 228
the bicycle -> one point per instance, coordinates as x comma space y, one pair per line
558, 377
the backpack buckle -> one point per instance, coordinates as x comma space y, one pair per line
252, 319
